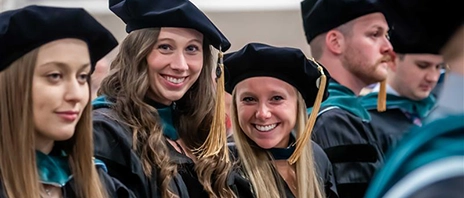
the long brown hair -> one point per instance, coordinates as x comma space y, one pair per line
18, 167
258, 166
127, 86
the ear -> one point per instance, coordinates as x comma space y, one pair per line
393, 65
335, 41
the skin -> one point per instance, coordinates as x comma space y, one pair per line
60, 90
174, 64
267, 109
361, 56
415, 75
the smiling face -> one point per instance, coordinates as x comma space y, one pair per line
60, 89
174, 64
266, 110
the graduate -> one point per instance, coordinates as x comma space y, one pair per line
271, 88
159, 123
47, 56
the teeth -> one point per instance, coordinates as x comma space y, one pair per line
265, 127
174, 80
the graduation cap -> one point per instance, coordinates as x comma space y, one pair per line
28, 28
422, 26
320, 16
287, 64
139, 14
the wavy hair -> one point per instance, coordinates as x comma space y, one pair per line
128, 84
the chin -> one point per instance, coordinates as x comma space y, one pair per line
266, 145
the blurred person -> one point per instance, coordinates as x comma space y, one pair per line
102, 69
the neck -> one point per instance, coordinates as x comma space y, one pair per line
44, 145
341, 75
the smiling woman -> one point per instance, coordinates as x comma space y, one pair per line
45, 130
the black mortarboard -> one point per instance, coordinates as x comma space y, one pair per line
320, 16
138, 14
25, 29
284, 63
422, 26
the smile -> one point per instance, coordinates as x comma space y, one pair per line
265, 128
174, 80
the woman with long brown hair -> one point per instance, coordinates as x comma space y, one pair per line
271, 88
47, 55
157, 124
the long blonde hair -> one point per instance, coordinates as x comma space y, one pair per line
18, 167
127, 86
258, 166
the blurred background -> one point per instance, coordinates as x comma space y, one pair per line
275, 22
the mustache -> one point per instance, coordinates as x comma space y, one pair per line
386, 58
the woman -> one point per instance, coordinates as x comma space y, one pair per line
157, 107
45, 131
271, 88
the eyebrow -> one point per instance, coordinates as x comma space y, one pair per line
172, 40
64, 65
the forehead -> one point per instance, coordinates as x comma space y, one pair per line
174, 32
64, 50
263, 85
372, 20
430, 58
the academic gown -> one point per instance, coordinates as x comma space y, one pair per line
401, 114
323, 171
54, 169
113, 145
343, 131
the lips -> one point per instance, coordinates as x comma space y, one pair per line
174, 80
265, 128
68, 116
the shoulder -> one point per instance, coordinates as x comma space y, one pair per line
113, 186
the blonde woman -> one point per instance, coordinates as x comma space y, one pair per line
271, 88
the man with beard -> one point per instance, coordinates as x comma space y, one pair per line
350, 39
410, 81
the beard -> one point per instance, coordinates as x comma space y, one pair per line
355, 62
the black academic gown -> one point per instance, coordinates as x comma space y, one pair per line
343, 131
400, 116
114, 188
113, 145
323, 172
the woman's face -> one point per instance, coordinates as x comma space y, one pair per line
174, 64
266, 110
60, 89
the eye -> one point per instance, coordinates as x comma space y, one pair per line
248, 99
54, 77
422, 65
277, 98
83, 78
165, 47
192, 48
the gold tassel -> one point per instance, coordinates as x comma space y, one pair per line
216, 142
304, 138
382, 97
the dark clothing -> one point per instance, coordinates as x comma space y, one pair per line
113, 145
113, 187
323, 172
343, 131
401, 114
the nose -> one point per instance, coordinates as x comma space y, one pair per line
179, 62
433, 75
387, 47
263, 112
77, 91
